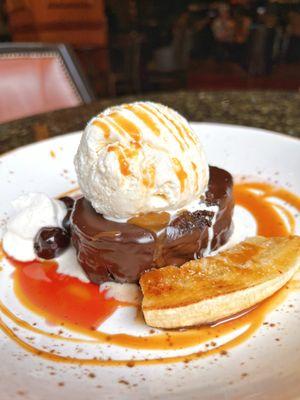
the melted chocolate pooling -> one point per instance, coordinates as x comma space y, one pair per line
109, 250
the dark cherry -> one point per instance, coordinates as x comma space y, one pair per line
50, 242
69, 202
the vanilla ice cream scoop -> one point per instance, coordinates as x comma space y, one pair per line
139, 158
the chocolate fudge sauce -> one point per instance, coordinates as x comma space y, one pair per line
121, 252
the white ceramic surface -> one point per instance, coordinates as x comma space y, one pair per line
261, 368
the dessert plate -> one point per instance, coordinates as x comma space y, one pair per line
266, 366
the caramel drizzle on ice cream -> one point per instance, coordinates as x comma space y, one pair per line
154, 118
149, 176
123, 162
144, 117
164, 122
180, 172
103, 126
126, 125
194, 166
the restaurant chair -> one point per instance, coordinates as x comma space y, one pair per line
37, 78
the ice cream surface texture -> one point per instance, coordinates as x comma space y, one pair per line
138, 158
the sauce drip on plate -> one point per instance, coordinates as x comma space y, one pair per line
82, 308
60, 298
258, 198
246, 324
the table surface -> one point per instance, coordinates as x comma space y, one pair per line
277, 111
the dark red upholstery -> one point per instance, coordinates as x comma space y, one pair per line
39, 78
34, 84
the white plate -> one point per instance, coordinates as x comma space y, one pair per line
261, 368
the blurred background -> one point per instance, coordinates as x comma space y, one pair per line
140, 46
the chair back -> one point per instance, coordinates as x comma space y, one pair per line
36, 78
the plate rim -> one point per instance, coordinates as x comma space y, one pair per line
67, 136
252, 129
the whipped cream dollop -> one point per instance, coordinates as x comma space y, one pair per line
33, 211
139, 158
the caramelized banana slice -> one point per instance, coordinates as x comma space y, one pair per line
212, 288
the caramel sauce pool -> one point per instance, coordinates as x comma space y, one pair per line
34, 284
257, 199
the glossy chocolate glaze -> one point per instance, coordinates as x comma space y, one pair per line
109, 250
